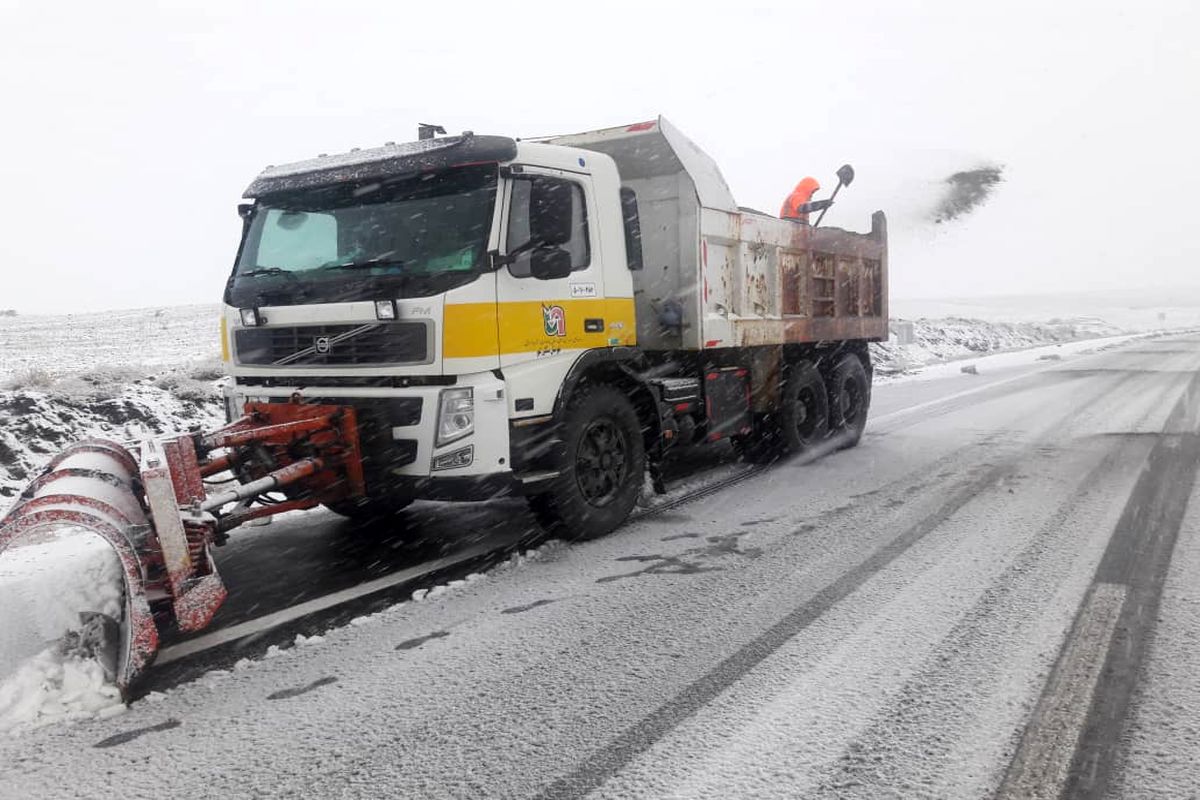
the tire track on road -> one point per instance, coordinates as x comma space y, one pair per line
917, 734
1062, 752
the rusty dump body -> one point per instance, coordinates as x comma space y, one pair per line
163, 503
771, 281
718, 276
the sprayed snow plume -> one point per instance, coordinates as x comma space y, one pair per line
966, 191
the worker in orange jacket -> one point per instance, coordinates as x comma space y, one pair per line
803, 192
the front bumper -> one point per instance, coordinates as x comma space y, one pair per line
397, 430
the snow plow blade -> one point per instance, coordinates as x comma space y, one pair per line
150, 500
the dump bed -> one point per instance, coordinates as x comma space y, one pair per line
716, 275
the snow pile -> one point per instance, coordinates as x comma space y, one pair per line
936, 340
67, 377
39, 420
43, 588
51, 688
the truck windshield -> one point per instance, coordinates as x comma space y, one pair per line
411, 237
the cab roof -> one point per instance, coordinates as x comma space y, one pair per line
391, 160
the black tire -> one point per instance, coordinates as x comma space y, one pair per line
799, 423
763, 445
363, 509
849, 400
602, 471
804, 409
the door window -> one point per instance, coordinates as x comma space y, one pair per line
529, 196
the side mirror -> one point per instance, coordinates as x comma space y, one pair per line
549, 263
845, 174
550, 210
246, 212
633, 228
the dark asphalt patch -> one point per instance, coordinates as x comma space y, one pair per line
680, 536
129, 736
751, 523
309, 570
531, 606
659, 565
413, 644
284, 694
723, 545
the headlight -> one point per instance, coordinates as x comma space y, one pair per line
250, 317
456, 414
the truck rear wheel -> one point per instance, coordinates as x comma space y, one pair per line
602, 470
849, 400
804, 409
799, 422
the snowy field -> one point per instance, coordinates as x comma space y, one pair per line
40, 348
1132, 310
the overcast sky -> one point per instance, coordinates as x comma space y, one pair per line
130, 129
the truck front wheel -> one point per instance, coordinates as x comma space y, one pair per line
601, 473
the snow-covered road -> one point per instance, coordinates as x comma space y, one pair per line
967, 605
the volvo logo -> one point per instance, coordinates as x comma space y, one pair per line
323, 345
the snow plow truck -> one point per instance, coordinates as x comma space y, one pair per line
463, 317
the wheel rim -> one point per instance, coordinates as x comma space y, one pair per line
850, 400
600, 461
807, 412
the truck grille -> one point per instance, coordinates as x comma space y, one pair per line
313, 345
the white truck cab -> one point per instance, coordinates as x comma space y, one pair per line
401, 303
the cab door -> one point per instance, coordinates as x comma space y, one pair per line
550, 294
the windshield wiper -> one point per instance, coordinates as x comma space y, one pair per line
254, 273
291, 276
371, 262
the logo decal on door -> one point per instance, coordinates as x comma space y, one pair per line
554, 320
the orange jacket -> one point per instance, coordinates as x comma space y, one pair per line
803, 192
